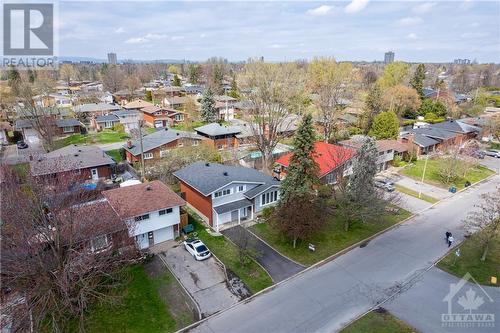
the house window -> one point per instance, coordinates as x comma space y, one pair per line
99, 243
163, 153
108, 124
240, 188
68, 129
166, 211
196, 142
148, 156
268, 198
222, 193
179, 117
141, 217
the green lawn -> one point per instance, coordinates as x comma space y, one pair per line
100, 137
494, 145
379, 321
413, 193
188, 126
469, 261
140, 310
415, 171
254, 276
115, 155
328, 242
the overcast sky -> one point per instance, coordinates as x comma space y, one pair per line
435, 31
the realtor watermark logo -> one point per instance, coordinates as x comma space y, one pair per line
29, 34
465, 299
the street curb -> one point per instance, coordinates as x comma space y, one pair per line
281, 254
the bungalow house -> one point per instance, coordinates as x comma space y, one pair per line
176, 102
157, 144
155, 116
385, 149
193, 90
221, 194
137, 104
124, 96
53, 100
68, 126
95, 109
160, 94
89, 162
221, 136
60, 127
333, 161
108, 121
151, 211
128, 118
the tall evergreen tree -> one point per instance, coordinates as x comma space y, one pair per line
208, 111
417, 81
176, 81
385, 126
13, 80
302, 173
373, 106
361, 187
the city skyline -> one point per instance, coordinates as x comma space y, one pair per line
360, 30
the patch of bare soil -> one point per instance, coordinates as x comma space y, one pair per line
236, 286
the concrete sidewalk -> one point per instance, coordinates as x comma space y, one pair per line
430, 190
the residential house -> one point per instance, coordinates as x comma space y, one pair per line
222, 194
150, 210
156, 145
108, 121
221, 136
53, 100
124, 96
60, 127
129, 118
68, 126
137, 104
224, 106
156, 117
89, 162
333, 161
95, 109
176, 102
385, 149
193, 90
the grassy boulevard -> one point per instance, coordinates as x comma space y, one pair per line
328, 242
469, 261
378, 321
413, 193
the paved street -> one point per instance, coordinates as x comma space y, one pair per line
491, 162
275, 264
422, 305
412, 204
326, 298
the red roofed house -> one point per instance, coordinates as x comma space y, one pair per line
333, 161
150, 210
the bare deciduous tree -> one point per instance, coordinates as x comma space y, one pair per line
113, 79
275, 92
485, 221
60, 249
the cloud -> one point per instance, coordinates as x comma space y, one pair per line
119, 30
152, 36
177, 37
412, 36
136, 40
320, 11
203, 35
474, 24
356, 6
146, 38
276, 46
408, 21
474, 35
466, 4
424, 7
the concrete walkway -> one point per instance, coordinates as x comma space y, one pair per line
430, 190
423, 305
412, 204
279, 267
327, 297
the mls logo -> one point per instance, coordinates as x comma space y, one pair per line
28, 29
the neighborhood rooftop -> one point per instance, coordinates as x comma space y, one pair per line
159, 138
215, 129
208, 177
95, 107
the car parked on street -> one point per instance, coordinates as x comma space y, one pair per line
492, 153
385, 184
21, 145
197, 249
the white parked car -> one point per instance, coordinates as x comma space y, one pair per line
197, 249
492, 153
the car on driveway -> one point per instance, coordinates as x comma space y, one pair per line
386, 185
492, 153
197, 249
21, 145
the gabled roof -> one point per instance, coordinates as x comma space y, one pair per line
108, 117
67, 122
327, 156
423, 141
124, 113
208, 177
135, 200
456, 126
137, 104
159, 138
96, 107
72, 157
434, 132
177, 100
215, 129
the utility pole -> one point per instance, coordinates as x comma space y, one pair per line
423, 175
142, 152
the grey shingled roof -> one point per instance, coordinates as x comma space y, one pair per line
215, 129
252, 193
67, 122
424, 141
208, 178
433, 132
455, 126
108, 117
159, 138
96, 107
125, 112
232, 206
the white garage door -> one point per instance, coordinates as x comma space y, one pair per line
163, 234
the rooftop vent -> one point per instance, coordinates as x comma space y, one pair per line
149, 188
225, 173
178, 133
76, 155
207, 164
79, 150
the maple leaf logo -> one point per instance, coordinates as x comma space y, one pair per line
470, 301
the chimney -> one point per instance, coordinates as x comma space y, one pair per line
129, 143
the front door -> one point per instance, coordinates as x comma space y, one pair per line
95, 175
151, 238
234, 216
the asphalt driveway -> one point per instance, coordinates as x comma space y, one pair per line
279, 267
423, 305
204, 280
491, 163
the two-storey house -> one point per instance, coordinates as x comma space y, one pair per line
221, 193
151, 211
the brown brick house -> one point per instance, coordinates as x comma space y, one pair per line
155, 116
220, 136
